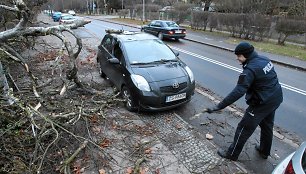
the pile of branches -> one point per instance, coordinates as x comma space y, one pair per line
40, 119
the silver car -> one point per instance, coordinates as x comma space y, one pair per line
295, 163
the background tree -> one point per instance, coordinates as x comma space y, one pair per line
286, 26
181, 10
207, 4
199, 19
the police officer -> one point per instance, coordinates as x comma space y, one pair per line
259, 82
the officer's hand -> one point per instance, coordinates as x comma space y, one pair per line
212, 109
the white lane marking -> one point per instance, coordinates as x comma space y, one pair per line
291, 88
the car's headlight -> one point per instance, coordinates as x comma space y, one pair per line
140, 82
189, 73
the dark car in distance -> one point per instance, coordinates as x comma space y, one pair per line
148, 73
165, 29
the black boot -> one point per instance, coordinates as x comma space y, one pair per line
257, 147
224, 154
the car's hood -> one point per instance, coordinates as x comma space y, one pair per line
160, 72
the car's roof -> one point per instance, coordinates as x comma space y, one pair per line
68, 17
126, 36
163, 21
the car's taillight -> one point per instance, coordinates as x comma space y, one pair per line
184, 32
289, 169
170, 32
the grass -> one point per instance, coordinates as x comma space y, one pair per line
272, 47
266, 46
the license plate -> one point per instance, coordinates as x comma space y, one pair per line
175, 97
178, 31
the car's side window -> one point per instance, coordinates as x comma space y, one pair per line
158, 24
118, 53
107, 43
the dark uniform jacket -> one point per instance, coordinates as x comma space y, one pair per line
258, 81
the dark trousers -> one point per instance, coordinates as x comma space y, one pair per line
254, 116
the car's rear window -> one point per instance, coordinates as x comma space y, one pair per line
171, 24
146, 51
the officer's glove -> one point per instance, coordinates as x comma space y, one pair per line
212, 109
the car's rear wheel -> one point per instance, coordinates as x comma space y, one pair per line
177, 39
130, 103
160, 35
102, 74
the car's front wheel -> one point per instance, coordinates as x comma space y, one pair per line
160, 35
130, 103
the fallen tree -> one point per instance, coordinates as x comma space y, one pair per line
34, 126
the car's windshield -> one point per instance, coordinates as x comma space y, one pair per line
148, 51
171, 24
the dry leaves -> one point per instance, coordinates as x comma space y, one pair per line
105, 143
178, 126
102, 171
148, 151
96, 130
129, 170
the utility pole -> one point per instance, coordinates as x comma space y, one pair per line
143, 11
122, 4
63, 5
87, 4
305, 20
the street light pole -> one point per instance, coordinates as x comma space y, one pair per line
143, 11
122, 4
304, 20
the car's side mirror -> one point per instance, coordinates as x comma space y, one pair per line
177, 54
114, 60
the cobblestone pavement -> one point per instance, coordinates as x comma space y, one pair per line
193, 150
